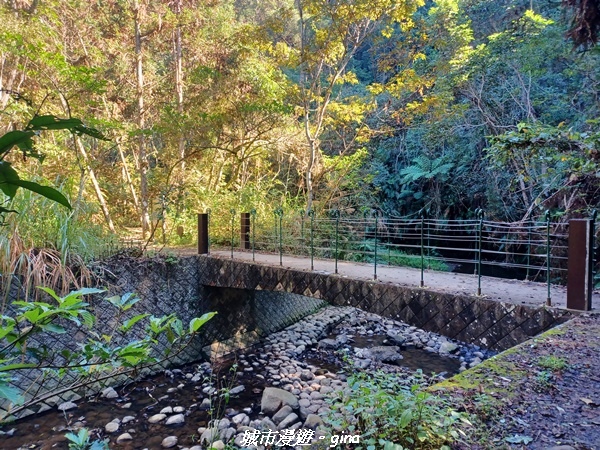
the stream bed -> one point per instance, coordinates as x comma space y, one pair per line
306, 365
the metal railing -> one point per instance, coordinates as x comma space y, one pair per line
532, 250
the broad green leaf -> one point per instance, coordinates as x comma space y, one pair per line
53, 328
10, 393
44, 191
131, 322
82, 129
87, 291
50, 292
50, 122
8, 177
405, 418
197, 322
17, 137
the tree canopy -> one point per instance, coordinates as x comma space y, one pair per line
398, 107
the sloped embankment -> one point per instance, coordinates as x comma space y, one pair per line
541, 394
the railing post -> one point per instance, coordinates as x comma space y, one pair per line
311, 214
389, 248
548, 298
208, 216
245, 231
528, 250
232, 211
253, 215
422, 249
580, 279
203, 234
302, 232
279, 214
336, 214
375, 256
366, 242
479, 248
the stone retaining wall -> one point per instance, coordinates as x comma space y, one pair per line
494, 325
165, 286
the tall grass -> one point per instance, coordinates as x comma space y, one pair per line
45, 244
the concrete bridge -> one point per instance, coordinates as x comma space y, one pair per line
507, 313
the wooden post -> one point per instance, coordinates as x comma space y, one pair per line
245, 231
580, 274
202, 234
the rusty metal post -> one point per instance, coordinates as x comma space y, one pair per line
579, 275
245, 231
203, 234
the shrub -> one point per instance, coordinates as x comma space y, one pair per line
393, 416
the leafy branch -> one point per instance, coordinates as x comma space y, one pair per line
100, 357
10, 180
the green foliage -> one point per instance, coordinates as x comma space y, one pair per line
10, 181
554, 363
82, 441
125, 347
391, 415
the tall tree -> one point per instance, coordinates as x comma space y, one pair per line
330, 34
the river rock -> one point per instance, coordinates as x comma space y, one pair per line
167, 410
288, 421
124, 438
209, 435
282, 414
448, 347
175, 420
112, 427
312, 421
109, 393
274, 398
267, 423
157, 418
383, 353
237, 390
241, 419
329, 344
217, 445
169, 442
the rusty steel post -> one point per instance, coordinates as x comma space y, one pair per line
579, 275
202, 234
245, 231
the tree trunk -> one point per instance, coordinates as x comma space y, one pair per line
179, 88
134, 196
97, 190
143, 157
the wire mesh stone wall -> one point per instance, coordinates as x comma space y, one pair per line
491, 324
166, 286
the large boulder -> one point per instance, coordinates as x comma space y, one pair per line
274, 398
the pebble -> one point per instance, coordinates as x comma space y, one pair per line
157, 418
169, 442
175, 420
112, 427
67, 406
124, 437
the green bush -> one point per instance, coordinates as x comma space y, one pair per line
390, 415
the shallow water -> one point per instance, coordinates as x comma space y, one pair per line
412, 358
47, 430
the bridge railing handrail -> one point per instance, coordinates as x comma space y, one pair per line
531, 250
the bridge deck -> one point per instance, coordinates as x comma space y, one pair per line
498, 289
